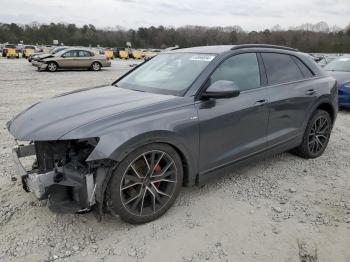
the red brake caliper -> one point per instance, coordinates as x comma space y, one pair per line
157, 169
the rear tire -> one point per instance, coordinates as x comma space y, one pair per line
316, 136
96, 66
52, 67
146, 183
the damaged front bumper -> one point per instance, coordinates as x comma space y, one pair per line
39, 65
67, 189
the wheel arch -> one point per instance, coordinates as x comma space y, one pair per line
164, 137
123, 148
326, 106
323, 103
95, 61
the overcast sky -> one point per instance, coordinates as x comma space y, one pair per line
250, 14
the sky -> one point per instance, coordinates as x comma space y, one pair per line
249, 14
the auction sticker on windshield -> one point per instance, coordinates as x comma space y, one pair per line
207, 58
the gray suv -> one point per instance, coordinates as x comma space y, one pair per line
179, 119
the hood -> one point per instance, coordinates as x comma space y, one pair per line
43, 56
341, 77
55, 117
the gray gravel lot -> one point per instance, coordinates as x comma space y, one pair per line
282, 209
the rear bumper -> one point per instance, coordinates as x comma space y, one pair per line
107, 64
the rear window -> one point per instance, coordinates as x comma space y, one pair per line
281, 68
10, 46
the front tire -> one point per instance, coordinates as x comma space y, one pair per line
52, 67
316, 135
146, 183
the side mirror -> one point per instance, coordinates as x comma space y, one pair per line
222, 89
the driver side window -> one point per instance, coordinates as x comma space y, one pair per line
242, 69
70, 54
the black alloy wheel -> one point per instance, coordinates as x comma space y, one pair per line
148, 185
316, 135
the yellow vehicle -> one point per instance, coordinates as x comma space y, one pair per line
28, 50
136, 54
124, 54
109, 54
149, 54
12, 53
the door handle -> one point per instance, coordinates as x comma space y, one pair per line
310, 92
261, 102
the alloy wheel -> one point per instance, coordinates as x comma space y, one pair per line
148, 183
319, 134
52, 67
96, 66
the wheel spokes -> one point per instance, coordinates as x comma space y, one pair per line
148, 182
319, 134
163, 171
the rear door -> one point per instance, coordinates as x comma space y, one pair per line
234, 128
292, 94
85, 58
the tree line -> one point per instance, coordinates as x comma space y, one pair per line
308, 38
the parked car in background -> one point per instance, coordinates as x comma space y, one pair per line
340, 69
116, 51
327, 59
42, 55
72, 58
10, 50
180, 119
28, 50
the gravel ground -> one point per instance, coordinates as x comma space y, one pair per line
282, 209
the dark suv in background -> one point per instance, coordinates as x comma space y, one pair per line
177, 120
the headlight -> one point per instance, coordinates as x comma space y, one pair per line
347, 85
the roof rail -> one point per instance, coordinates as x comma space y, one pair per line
263, 46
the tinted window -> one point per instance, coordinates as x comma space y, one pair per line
241, 69
303, 68
280, 68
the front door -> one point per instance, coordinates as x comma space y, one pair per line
68, 59
234, 128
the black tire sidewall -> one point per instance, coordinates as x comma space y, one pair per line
305, 144
114, 184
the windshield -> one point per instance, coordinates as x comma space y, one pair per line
56, 50
340, 64
171, 73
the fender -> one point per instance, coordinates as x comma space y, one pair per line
323, 100
124, 145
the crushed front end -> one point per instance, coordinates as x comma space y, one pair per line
60, 173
